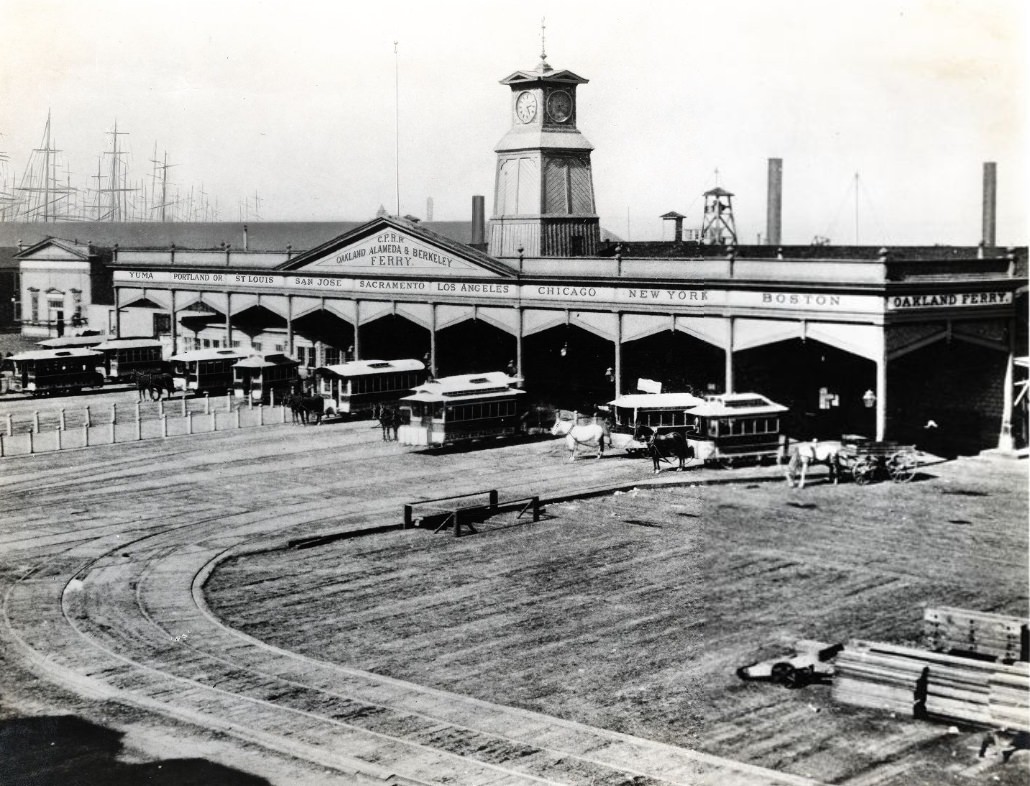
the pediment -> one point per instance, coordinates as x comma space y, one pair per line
388, 247
54, 249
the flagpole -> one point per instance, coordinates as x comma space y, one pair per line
397, 124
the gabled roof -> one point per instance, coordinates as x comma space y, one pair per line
459, 250
543, 73
81, 250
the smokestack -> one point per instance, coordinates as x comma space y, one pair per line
478, 220
774, 204
990, 203
246, 240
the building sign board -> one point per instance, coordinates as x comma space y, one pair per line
805, 301
392, 251
948, 300
499, 291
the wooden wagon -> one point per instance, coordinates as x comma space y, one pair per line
867, 460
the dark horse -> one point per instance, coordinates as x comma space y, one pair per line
305, 408
662, 447
390, 421
153, 383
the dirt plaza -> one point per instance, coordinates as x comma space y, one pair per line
623, 612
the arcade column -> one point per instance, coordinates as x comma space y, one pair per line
289, 326
357, 330
618, 354
175, 325
228, 319
729, 356
1005, 441
881, 396
432, 339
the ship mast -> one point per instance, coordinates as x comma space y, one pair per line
40, 179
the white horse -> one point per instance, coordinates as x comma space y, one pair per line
590, 435
815, 452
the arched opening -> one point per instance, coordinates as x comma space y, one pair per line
679, 361
391, 337
567, 367
473, 346
322, 327
823, 386
955, 385
254, 321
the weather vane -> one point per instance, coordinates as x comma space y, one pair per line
543, 38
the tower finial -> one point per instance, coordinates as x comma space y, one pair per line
544, 67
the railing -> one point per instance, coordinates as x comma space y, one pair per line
70, 429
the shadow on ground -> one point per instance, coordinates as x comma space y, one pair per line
65, 749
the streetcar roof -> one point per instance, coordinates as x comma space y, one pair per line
50, 354
209, 354
657, 401
357, 368
730, 404
491, 384
431, 398
127, 343
267, 361
62, 342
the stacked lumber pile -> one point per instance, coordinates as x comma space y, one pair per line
976, 632
920, 683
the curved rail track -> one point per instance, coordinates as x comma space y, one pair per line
116, 609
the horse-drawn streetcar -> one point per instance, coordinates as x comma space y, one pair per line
265, 377
634, 418
124, 358
366, 385
43, 372
733, 427
460, 409
205, 370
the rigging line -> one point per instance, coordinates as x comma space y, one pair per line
829, 231
878, 225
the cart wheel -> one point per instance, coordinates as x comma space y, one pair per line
864, 471
901, 468
782, 672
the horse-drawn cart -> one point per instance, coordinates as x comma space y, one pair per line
867, 460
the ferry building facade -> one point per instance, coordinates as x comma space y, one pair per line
883, 342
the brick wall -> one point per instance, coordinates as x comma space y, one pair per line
958, 385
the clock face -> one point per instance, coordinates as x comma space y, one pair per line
559, 106
525, 107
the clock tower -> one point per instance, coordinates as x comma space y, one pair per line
544, 190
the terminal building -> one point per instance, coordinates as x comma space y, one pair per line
921, 345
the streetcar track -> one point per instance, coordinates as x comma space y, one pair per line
152, 549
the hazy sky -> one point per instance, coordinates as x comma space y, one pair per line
295, 101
